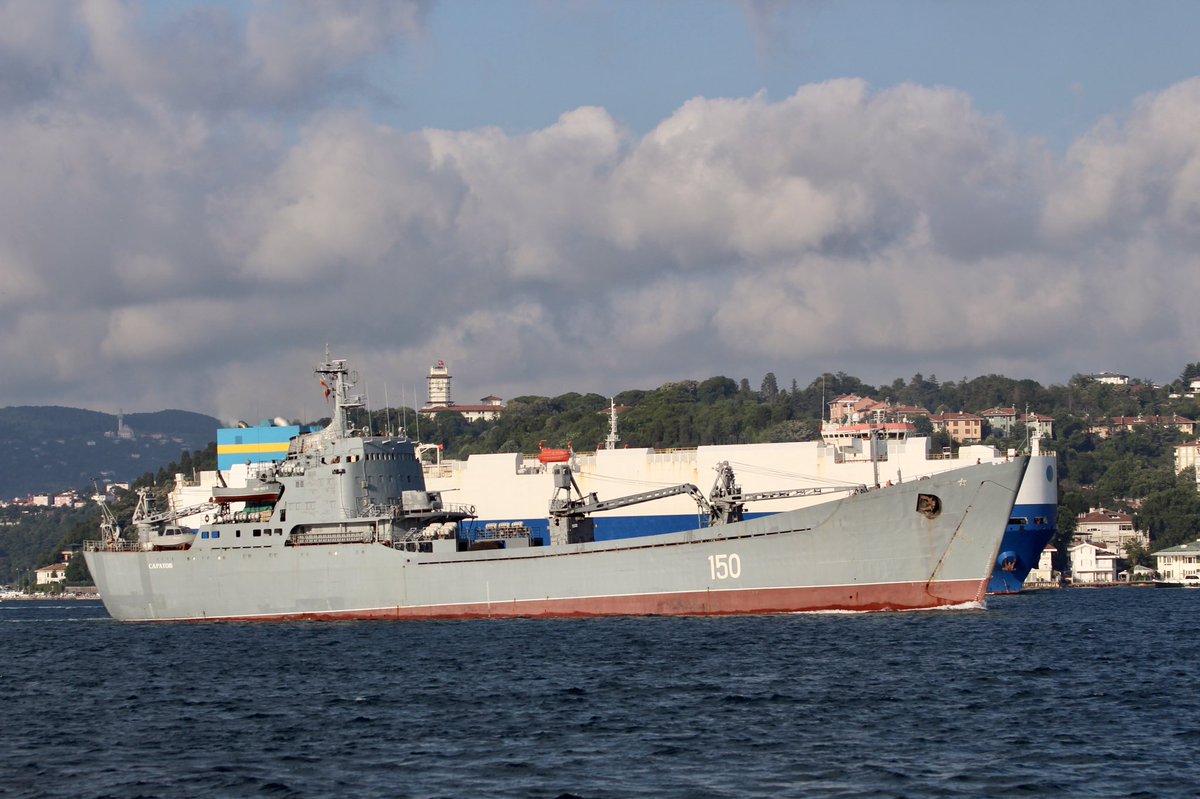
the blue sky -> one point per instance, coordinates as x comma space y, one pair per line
589, 196
1051, 69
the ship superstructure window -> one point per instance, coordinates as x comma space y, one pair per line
216, 533
258, 533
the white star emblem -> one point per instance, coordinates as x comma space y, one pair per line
962, 481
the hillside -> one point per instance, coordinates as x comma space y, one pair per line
48, 448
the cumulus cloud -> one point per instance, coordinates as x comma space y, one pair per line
175, 236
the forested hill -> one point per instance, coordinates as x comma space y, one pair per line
46, 449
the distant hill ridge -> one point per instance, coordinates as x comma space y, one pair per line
46, 449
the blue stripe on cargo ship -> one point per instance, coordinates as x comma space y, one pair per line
1031, 525
608, 528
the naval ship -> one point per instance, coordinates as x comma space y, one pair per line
344, 527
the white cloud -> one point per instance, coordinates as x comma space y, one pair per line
196, 238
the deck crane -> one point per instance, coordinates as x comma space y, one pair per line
146, 514
569, 515
728, 501
569, 522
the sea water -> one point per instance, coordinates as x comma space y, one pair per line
1057, 693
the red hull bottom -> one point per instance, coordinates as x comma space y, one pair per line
900, 596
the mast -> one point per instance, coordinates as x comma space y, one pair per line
338, 380
872, 442
610, 441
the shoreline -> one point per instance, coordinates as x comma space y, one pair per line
35, 597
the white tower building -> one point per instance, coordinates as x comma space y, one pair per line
439, 386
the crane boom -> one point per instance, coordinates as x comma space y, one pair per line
590, 504
146, 514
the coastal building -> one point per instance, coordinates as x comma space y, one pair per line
853, 409
488, 408
1186, 456
439, 399
1177, 563
1109, 529
1002, 420
848, 408
123, 432
55, 573
1138, 574
1115, 424
1092, 564
1110, 378
1044, 571
1008, 423
439, 387
1038, 425
964, 428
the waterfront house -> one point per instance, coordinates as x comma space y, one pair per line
1092, 564
1176, 563
56, 573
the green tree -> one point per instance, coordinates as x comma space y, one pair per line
1137, 555
770, 387
715, 389
1172, 516
77, 571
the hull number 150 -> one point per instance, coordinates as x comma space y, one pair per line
724, 567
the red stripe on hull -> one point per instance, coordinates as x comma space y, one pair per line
900, 596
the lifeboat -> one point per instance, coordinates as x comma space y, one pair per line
258, 493
547, 455
157, 538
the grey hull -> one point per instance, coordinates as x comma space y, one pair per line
872, 551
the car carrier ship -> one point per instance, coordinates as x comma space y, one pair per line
510, 488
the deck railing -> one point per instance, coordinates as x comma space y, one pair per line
112, 546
